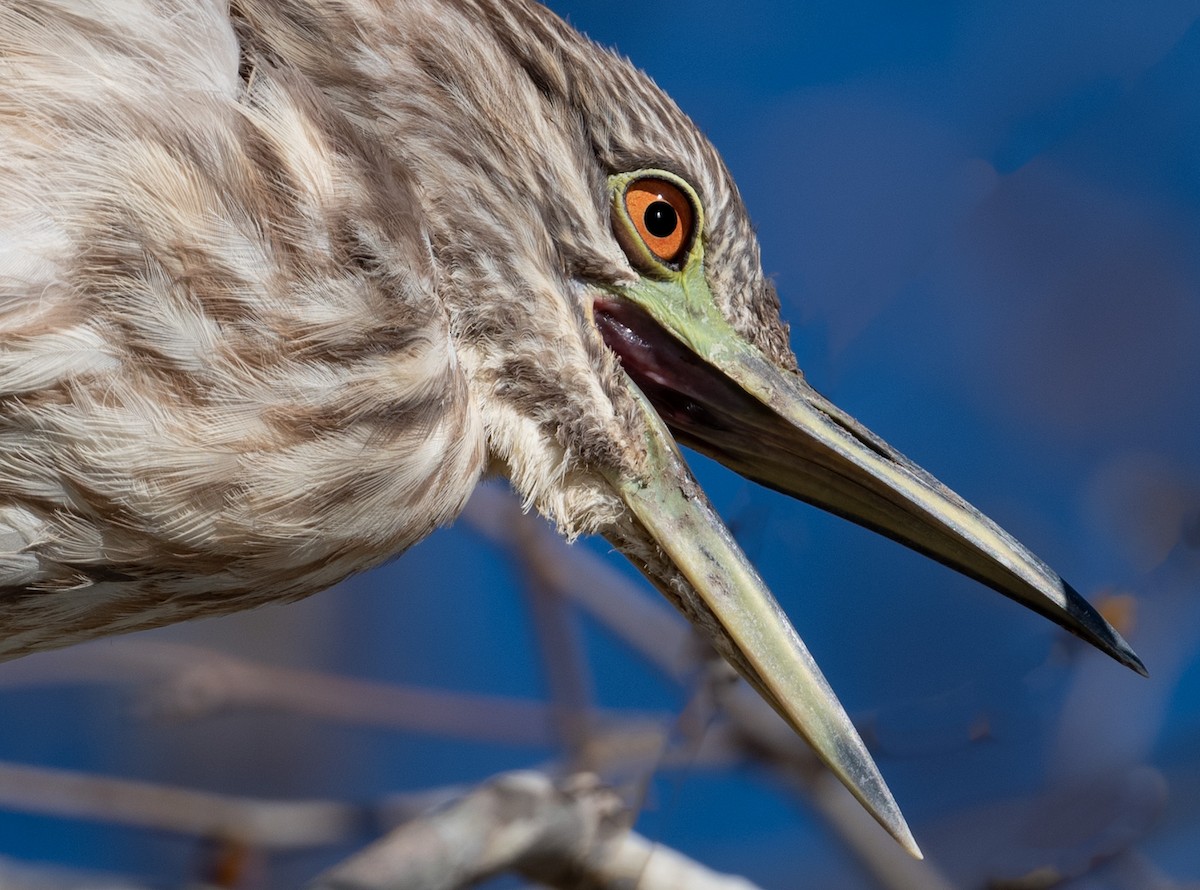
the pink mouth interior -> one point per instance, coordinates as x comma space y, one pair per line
685, 391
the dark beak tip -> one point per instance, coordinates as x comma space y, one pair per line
1090, 626
1114, 645
1129, 658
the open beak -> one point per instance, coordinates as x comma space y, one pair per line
717, 392
772, 427
723, 397
712, 582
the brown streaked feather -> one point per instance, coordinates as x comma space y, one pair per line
233, 381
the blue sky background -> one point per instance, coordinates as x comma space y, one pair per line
983, 220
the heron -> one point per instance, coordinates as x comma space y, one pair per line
282, 280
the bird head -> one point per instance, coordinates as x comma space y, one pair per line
607, 299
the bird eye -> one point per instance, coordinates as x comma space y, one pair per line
662, 216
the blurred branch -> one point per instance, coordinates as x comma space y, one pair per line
664, 638
1133, 869
483, 834
1083, 832
188, 682
21, 876
564, 666
571, 835
792, 760
277, 825
649, 626
564, 662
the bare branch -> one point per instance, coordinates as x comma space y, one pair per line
572, 835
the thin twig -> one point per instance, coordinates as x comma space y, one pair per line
564, 661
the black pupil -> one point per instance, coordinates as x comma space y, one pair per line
661, 219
